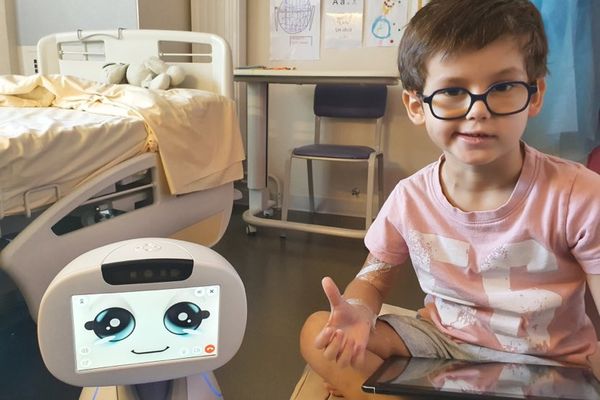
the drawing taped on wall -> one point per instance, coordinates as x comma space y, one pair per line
295, 29
294, 16
385, 20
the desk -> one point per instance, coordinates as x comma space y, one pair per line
258, 81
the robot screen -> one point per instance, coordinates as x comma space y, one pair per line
113, 329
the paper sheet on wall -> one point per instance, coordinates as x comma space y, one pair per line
295, 29
343, 23
386, 19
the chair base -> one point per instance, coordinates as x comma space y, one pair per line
254, 220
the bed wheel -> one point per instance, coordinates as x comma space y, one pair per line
250, 230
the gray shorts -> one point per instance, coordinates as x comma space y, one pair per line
423, 339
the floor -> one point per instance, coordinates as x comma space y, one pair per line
282, 280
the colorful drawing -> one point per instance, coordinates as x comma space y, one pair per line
382, 27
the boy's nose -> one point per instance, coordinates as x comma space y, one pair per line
479, 110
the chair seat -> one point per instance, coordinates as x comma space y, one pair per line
334, 151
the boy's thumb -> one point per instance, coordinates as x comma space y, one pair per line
332, 292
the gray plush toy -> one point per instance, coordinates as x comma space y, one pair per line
153, 73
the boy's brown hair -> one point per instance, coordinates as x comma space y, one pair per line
452, 26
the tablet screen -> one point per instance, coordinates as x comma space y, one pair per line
127, 328
469, 379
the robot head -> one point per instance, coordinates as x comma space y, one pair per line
141, 310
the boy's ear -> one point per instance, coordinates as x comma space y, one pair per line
537, 100
414, 107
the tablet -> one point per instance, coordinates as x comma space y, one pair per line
438, 378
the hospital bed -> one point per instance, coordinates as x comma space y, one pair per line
66, 191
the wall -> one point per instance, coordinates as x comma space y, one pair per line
35, 18
406, 148
162, 14
8, 51
226, 18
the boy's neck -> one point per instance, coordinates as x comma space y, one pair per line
481, 188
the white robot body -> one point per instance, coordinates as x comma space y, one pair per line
143, 319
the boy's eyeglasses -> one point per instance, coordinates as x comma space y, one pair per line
504, 98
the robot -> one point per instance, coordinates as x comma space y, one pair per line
143, 319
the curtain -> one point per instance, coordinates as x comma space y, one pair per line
569, 124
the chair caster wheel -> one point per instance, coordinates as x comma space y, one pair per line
250, 230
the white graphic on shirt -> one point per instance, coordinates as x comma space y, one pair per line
455, 315
425, 248
530, 309
540, 304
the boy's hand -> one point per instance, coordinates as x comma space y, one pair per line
345, 336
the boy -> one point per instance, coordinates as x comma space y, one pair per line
501, 236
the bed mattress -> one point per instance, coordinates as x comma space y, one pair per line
63, 147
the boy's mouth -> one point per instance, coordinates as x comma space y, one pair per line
473, 137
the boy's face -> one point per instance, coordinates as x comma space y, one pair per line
479, 138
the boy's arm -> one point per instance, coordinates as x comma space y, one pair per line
372, 284
593, 282
353, 315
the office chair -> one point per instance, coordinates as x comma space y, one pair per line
339, 101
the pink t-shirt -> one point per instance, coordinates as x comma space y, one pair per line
513, 278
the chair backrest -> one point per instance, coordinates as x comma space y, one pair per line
354, 101
350, 101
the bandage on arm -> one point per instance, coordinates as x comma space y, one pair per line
364, 309
378, 273
370, 286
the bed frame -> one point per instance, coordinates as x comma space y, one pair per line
41, 250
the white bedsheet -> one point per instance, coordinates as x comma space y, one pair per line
41, 146
196, 132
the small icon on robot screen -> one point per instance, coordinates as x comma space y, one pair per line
114, 329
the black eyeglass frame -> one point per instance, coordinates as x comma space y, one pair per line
532, 89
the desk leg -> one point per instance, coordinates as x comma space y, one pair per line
258, 116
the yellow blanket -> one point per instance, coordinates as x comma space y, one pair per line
195, 132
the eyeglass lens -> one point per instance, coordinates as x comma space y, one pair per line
503, 98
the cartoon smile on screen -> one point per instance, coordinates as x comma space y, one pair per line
137, 327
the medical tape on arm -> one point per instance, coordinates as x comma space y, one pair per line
365, 309
377, 273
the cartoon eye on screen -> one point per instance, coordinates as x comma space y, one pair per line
114, 329
112, 324
184, 318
